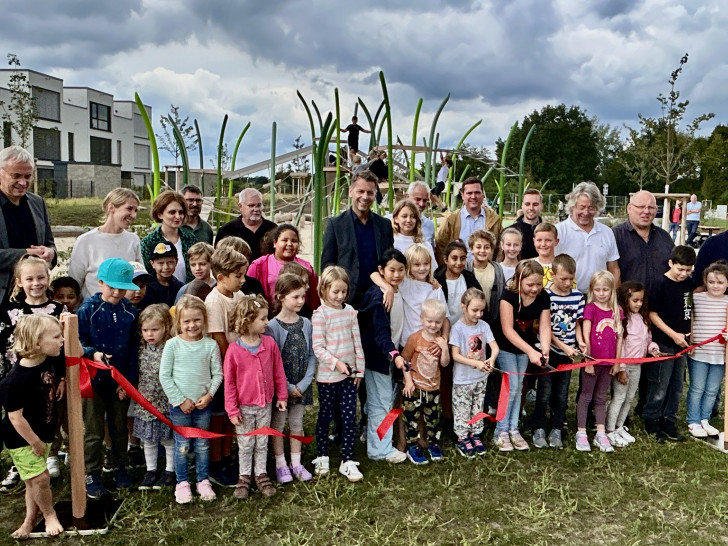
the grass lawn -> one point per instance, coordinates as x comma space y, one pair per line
643, 494
85, 212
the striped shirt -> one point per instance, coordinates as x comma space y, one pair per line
565, 312
336, 337
190, 369
709, 319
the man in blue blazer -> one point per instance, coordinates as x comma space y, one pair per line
357, 238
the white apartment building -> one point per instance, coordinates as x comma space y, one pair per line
84, 140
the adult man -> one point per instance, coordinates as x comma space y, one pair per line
714, 249
357, 238
643, 247
532, 205
590, 243
472, 216
250, 226
24, 224
693, 217
419, 194
193, 198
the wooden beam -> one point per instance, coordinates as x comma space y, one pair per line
75, 418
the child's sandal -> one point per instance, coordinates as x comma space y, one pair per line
242, 488
264, 485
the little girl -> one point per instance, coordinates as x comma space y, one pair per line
637, 343
602, 328
292, 334
407, 228
337, 346
155, 324
511, 241
254, 373
707, 363
190, 373
523, 303
468, 340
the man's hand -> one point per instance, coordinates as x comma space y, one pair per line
43, 252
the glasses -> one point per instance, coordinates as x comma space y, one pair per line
640, 208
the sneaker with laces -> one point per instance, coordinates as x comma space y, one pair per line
53, 466
396, 456
518, 441
555, 439
626, 436
350, 470
167, 479
478, 446
697, 430
601, 440
150, 478
183, 493
226, 476
615, 438
503, 441
582, 442
109, 466
321, 466
539, 438
435, 452
415, 455
122, 478
465, 448
300, 473
95, 487
204, 490
710, 429
283, 475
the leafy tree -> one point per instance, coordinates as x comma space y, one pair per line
21, 112
301, 162
714, 165
166, 139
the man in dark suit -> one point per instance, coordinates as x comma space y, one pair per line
24, 224
357, 238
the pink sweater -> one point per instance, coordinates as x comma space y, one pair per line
253, 379
267, 269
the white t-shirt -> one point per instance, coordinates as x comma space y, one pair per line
403, 242
455, 291
413, 294
180, 272
508, 272
219, 313
472, 341
396, 320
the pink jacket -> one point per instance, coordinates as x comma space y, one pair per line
253, 379
266, 270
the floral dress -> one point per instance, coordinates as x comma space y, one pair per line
295, 358
148, 428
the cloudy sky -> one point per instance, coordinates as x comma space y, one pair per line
499, 59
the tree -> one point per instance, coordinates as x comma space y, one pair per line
167, 141
714, 166
21, 112
301, 162
226, 158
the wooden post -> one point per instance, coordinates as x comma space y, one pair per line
75, 418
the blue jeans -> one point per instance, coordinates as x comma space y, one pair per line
692, 226
705, 380
380, 398
664, 390
552, 391
197, 419
509, 362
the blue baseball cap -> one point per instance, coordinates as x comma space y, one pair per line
117, 273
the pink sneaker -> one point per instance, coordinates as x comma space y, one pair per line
183, 493
300, 473
204, 489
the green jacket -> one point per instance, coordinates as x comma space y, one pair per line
155, 237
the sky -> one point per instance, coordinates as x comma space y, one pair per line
500, 60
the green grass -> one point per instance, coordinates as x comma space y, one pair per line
85, 212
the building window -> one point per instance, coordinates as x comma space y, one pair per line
7, 134
118, 152
140, 130
100, 151
71, 149
47, 104
141, 156
100, 117
47, 144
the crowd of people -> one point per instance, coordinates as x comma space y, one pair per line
238, 336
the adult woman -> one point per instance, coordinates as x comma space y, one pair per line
110, 240
407, 228
170, 209
284, 248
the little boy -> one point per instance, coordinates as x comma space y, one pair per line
164, 288
671, 305
199, 256
567, 311
488, 273
141, 278
67, 291
109, 330
426, 351
545, 239
251, 286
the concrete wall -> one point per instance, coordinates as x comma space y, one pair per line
92, 180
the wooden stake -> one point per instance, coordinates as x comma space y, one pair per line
75, 418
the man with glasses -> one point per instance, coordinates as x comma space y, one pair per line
250, 226
193, 198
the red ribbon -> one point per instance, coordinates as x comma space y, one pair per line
387, 422
88, 370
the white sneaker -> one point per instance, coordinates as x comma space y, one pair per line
350, 470
710, 429
626, 436
396, 456
53, 467
697, 430
321, 466
616, 439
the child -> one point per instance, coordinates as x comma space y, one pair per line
250, 285
28, 395
164, 288
567, 311
637, 343
253, 373
228, 267
407, 228
523, 303
66, 291
155, 324
671, 305
602, 329
108, 329
473, 363
141, 278
488, 273
294, 268
545, 239
293, 334
381, 333
190, 374
511, 241
427, 351
707, 363
337, 346
199, 257
454, 278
